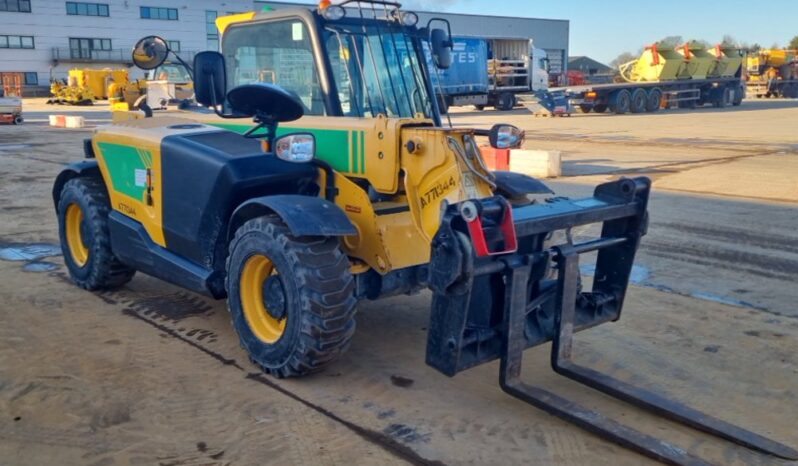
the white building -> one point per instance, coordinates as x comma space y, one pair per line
43, 39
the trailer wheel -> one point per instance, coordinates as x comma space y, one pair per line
18, 120
479, 107
723, 97
600, 108
654, 100
585, 108
639, 101
506, 102
621, 102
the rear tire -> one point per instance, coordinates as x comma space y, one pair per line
585, 108
639, 101
479, 107
505, 102
654, 101
600, 108
621, 102
295, 311
85, 240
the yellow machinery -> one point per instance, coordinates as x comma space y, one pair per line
69, 92
730, 59
773, 73
348, 187
658, 62
699, 63
98, 81
83, 86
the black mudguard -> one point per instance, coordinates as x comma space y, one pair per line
73, 170
304, 215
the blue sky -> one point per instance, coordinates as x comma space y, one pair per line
604, 29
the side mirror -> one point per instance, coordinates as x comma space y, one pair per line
295, 147
150, 52
210, 79
441, 44
504, 136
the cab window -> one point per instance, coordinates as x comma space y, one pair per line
277, 52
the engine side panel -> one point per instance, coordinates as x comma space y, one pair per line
208, 175
182, 180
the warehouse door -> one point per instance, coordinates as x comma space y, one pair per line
11, 84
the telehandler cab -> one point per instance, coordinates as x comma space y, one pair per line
348, 187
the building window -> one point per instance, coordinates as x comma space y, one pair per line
31, 79
210, 29
174, 45
150, 12
22, 6
86, 9
16, 42
81, 47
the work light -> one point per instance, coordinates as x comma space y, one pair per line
333, 12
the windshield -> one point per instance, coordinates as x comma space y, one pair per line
376, 71
172, 72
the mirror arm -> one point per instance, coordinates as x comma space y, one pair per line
188, 68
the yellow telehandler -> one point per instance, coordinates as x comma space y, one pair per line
348, 187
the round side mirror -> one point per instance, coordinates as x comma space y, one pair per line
504, 136
150, 52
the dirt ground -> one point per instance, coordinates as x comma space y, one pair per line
152, 374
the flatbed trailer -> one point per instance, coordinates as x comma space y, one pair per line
650, 96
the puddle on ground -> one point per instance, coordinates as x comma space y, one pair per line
722, 299
639, 275
12, 147
28, 252
39, 267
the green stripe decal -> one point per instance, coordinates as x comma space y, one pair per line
362, 152
355, 154
332, 145
123, 162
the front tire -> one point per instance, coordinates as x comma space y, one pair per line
85, 241
291, 298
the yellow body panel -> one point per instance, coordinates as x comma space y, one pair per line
223, 22
396, 225
129, 156
434, 174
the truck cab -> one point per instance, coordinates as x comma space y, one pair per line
539, 63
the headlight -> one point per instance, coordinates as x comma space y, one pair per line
408, 18
296, 147
333, 12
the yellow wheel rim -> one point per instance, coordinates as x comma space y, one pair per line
256, 270
77, 247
